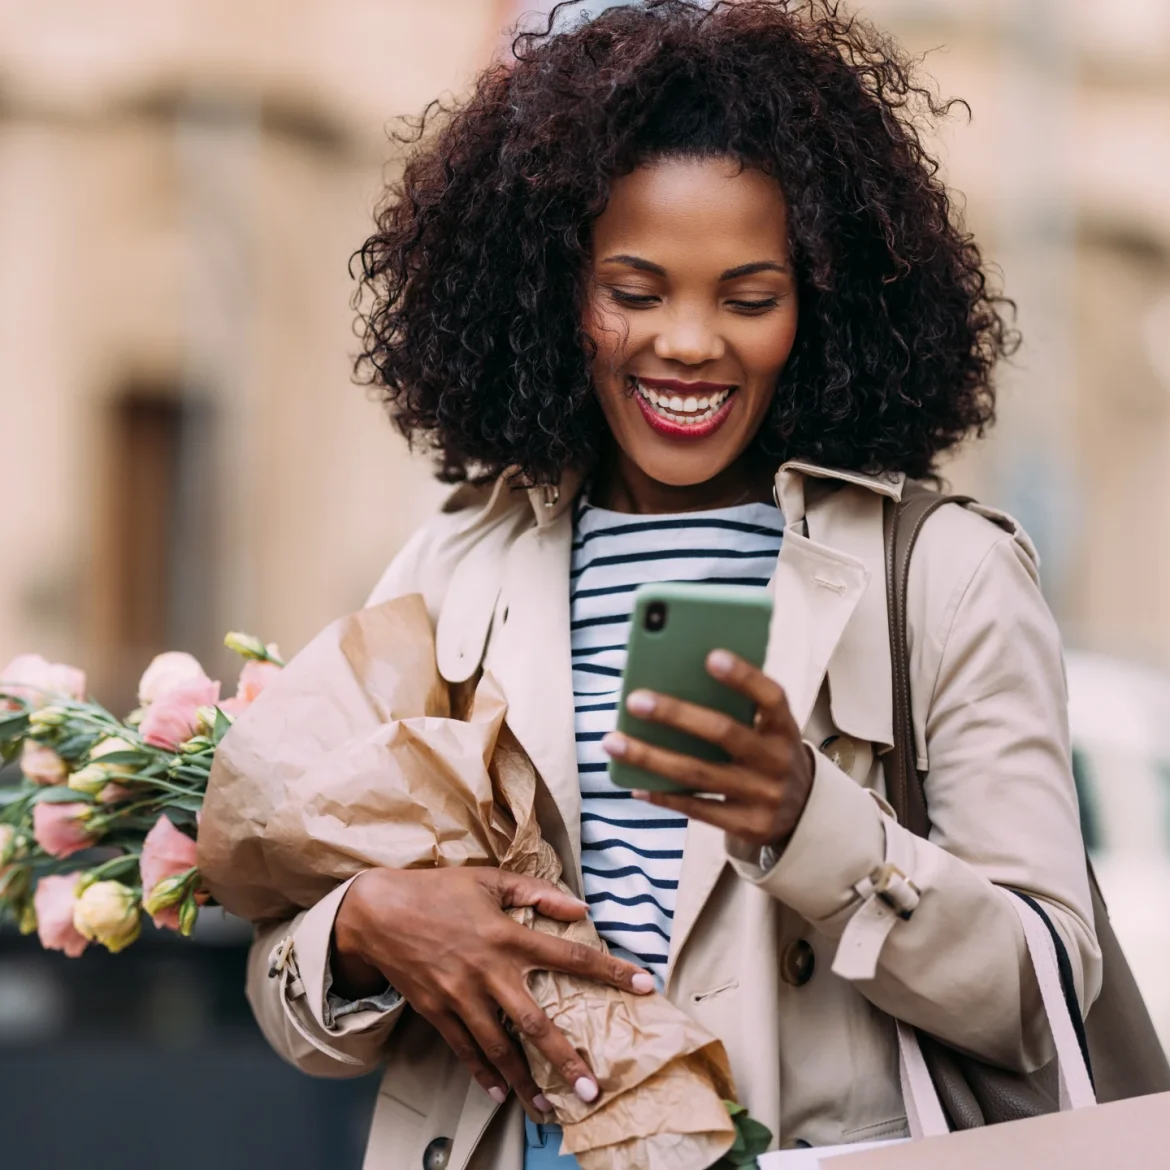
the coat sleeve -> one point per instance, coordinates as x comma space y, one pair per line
1003, 807
288, 986
289, 978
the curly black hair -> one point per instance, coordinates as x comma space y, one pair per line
471, 288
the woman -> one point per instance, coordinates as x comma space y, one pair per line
680, 296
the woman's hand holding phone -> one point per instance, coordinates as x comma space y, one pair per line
766, 783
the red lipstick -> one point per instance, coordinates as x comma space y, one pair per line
684, 431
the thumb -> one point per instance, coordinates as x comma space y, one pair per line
515, 889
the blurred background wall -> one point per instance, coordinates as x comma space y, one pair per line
181, 185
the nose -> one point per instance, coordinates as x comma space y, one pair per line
690, 337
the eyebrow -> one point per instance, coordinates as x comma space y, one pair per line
731, 273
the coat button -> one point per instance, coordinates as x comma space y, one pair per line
797, 963
437, 1154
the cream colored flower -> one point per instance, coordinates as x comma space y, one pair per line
95, 775
7, 845
112, 743
107, 912
91, 779
246, 645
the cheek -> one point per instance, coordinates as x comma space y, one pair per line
766, 351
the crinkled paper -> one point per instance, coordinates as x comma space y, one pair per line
355, 758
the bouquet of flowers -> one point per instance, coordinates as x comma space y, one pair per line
358, 755
101, 826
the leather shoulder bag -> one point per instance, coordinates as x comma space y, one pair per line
1121, 1047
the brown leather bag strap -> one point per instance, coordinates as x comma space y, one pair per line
903, 520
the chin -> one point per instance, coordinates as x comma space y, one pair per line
677, 470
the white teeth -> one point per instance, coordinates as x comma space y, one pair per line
684, 411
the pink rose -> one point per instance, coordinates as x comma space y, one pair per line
33, 678
254, 677
59, 829
41, 764
166, 672
166, 853
53, 902
171, 718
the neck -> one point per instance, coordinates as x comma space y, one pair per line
622, 486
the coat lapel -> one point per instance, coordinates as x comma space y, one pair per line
815, 591
823, 581
530, 658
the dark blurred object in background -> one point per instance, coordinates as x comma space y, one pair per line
150, 1060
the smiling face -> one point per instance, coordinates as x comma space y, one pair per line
692, 305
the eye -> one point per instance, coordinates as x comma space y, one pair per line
754, 306
634, 300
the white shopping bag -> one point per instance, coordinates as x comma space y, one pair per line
1123, 1135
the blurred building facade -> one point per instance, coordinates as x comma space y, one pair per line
184, 182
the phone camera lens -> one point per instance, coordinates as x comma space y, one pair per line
655, 615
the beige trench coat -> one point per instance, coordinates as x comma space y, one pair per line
814, 1055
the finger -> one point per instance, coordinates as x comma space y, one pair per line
721, 813
546, 952
503, 1054
514, 889
738, 740
767, 694
460, 1041
552, 1043
753, 823
729, 781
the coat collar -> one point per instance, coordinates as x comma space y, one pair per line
842, 514
549, 501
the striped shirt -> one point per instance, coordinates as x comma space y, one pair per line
631, 852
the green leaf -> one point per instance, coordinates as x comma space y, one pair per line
125, 758
189, 773
752, 1138
222, 725
61, 795
192, 803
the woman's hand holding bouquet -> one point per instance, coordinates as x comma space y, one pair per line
442, 938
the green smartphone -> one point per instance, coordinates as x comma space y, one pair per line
674, 628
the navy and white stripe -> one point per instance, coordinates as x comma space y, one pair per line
631, 852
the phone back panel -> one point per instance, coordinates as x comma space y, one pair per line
699, 618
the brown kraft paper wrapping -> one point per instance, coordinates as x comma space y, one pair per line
353, 758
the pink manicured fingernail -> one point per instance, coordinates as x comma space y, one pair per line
720, 662
497, 1094
615, 744
542, 1103
638, 794
640, 703
586, 1089
643, 982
